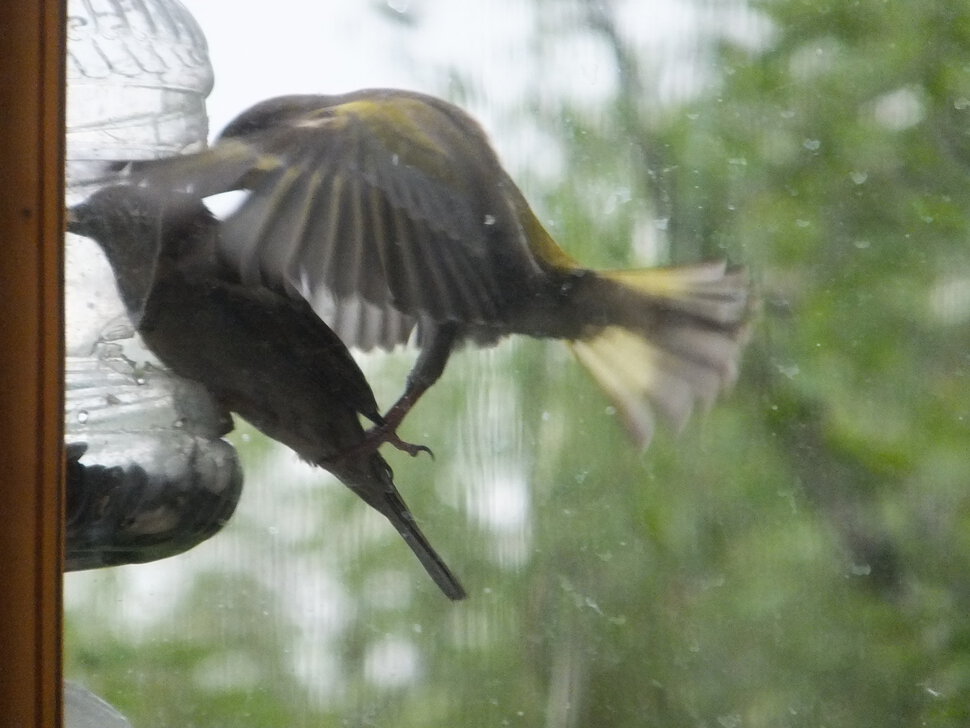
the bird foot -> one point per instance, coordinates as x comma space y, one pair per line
377, 436
386, 428
384, 433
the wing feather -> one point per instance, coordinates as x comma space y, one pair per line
388, 221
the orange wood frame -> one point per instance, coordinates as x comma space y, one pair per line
31, 360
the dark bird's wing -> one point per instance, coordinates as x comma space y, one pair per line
380, 204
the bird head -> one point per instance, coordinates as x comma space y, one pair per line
139, 228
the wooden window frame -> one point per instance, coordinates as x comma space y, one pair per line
32, 48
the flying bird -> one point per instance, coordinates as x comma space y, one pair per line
263, 355
391, 213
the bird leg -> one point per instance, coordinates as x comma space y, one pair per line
373, 439
427, 369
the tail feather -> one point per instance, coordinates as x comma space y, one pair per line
673, 340
437, 569
371, 479
708, 290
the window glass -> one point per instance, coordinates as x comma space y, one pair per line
796, 555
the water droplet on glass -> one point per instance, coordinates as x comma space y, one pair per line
802, 223
82, 416
859, 177
489, 220
591, 603
812, 145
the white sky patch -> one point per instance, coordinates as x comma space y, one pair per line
490, 49
226, 203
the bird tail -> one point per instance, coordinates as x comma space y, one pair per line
376, 487
666, 339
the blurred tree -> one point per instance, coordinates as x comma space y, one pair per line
831, 157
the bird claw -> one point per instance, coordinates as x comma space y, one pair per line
386, 428
379, 434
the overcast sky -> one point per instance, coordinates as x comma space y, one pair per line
333, 46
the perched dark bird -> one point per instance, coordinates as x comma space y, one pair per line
262, 355
390, 212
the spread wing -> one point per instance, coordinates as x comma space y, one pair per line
380, 207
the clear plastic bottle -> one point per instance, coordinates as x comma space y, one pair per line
142, 443
138, 76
